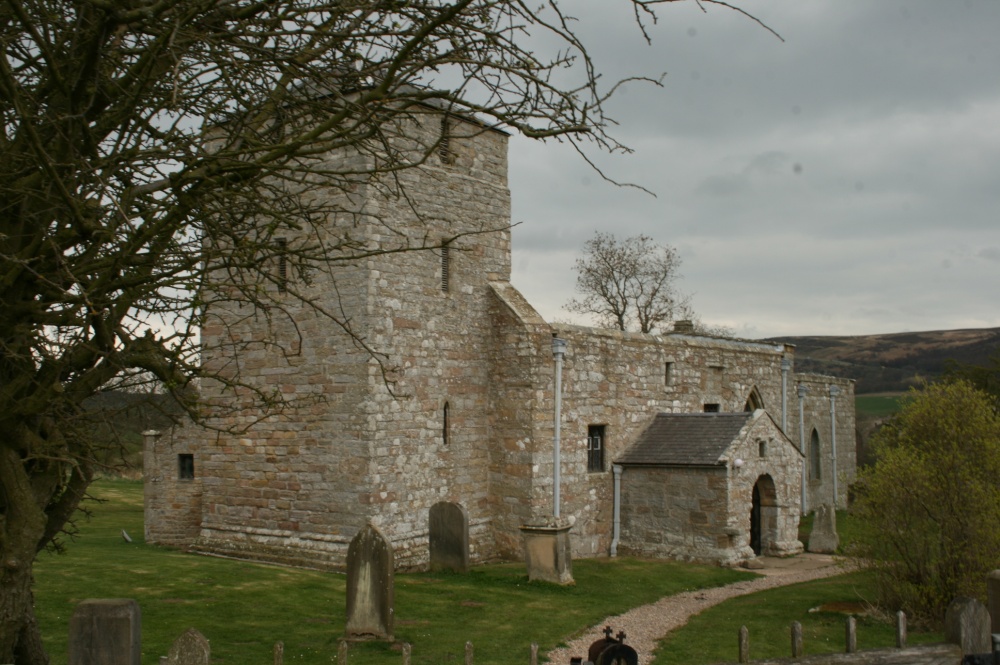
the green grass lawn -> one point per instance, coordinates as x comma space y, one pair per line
244, 608
822, 607
878, 405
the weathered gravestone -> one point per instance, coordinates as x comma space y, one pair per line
548, 553
449, 537
993, 599
191, 648
106, 632
967, 624
824, 538
370, 595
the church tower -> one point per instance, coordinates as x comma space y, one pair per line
387, 422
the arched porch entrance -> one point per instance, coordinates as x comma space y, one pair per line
763, 515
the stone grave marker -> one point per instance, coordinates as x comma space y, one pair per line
106, 632
191, 648
370, 595
824, 538
449, 537
967, 624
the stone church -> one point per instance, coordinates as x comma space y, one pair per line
672, 445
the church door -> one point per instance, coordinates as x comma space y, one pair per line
763, 515
755, 522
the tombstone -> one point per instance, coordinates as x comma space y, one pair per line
370, 594
596, 647
967, 624
548, 551
106, 632
449, 537
611, 650
824, 538
993, 599
191, 648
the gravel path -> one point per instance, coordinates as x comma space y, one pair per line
645, 625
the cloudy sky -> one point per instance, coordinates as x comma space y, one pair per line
844, 181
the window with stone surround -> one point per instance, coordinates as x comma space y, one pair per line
595, 447
185, 466
711, 408
815, 467
668, 373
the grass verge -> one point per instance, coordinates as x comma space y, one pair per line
822, 608
244, 608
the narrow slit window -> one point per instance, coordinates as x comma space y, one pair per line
444, 424
668, 374
185, 466
815, 463
445, 267
282, 265
444, 144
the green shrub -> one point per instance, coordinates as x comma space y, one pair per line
929, 508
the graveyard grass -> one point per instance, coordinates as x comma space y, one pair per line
821, 606
244, 608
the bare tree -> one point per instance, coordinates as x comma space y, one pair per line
629, 284
151, 165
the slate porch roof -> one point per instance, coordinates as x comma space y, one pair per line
685, 439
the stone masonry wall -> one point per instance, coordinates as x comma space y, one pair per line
517, 403
621, 380
816, 409
679, 513
436, 336
772, 460
172, 504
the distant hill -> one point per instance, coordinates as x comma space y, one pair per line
893, 362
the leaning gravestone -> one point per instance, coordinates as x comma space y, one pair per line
106, 632
370, 595
967, 624
824, 538
191, 648
449, 537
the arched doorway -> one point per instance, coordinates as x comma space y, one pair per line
763, 515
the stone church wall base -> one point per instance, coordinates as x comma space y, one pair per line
685, 553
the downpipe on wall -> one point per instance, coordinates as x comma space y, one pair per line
617, 519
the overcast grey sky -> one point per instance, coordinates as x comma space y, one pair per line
845, 181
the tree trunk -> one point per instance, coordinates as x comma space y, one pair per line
22, 530
20, 638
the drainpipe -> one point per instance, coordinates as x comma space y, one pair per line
617, 521
834, 391
558, 351
786, 366
803, 391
